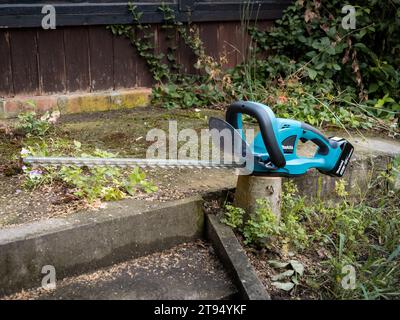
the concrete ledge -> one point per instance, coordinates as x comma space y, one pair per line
358, 175
83, 242
235, 260
76, 103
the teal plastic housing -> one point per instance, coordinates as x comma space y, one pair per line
331, 157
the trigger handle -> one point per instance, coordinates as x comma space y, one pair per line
318, 138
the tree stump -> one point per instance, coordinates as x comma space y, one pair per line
251, 188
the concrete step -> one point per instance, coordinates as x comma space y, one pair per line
187, 271
91, 240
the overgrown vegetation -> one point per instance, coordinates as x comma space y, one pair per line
32, 125
363, 234
90, 183
307, 67
348, 74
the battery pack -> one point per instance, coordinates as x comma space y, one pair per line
341, 165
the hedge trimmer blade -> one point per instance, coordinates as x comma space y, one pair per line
236, 146
130, 162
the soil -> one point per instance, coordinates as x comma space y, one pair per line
259, 259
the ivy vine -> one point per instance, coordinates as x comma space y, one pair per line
306, 67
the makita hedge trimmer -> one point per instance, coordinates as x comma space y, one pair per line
273, 151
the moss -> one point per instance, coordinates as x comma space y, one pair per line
124, 131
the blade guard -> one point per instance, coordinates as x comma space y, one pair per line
235, 147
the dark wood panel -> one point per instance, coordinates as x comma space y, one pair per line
76, 43
186, 5
6, 85
24, 61
244, 41
101, 58
72, 14
51, 60
229, 44
125, 59
209, 36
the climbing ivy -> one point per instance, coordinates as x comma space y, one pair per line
306, 67
309, 43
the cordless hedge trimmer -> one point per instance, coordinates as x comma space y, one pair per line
272, 153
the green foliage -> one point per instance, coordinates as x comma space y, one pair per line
307, 67
309, 44
233, 217
173, 96
262, 226
91, 183
175, 88
362, 233
34, 125
142, 38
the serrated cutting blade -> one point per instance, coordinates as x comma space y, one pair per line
129, 162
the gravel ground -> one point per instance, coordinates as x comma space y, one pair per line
17, 205
187, 271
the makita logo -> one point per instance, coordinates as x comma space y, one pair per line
287, 147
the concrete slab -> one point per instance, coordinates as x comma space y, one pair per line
187, 271
235, 260
78, 243
376, 145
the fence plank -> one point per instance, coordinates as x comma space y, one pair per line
6, 85
209, 36
144, 77
125, 59
101, 58
76, 41
51, 60
228, 43
24, 61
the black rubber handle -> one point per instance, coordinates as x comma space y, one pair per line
266, 128
322, 142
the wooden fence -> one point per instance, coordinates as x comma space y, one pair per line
82, 55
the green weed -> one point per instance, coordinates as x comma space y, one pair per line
91, 183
